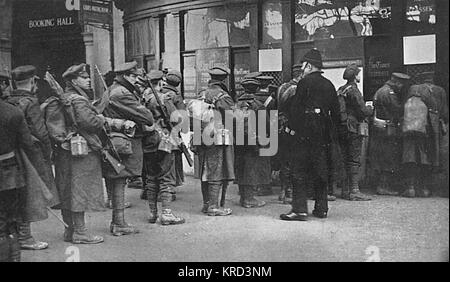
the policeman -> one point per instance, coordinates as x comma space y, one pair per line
251, 169
24, 97
385, 151
311, 113
173, 80
14, 135
159, 156
353, 113
216, 161
78, 161
125, 103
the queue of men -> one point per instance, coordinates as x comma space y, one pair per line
130, 132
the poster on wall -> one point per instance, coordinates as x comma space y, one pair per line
206, 59
418, 50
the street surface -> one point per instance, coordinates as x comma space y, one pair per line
385, 229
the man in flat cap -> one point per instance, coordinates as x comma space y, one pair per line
281, 160
159, 150
125, 103
311, 114
252, 170
216, 162
422, 149
79, 174
24, 97
353, 113
173, 80
385, 145
14, 135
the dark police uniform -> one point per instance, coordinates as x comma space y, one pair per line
14, 134
125, 103
312, 114
159, 155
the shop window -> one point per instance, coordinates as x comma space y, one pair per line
171, 55
324, 19
142, 37
217, 27
241, 68
272, 22
189, 76
420, 16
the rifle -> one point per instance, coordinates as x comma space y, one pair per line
166, 119
102, 79
54, 84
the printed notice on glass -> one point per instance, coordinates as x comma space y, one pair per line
270, 60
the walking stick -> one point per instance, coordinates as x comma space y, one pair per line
55, 215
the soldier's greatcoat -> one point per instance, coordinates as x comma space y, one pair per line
79, 178
125, 103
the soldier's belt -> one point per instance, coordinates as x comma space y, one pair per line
289, 131
7, 156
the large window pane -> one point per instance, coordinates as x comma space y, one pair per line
217, 27
272, 22
189, 77
241, 68
421, 16
141, 37
322, 19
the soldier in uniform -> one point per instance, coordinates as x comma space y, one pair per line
126, 104
79, 174
385, 151
216, 162
173, 80
311, 113
24, 97
421, 152
159, 152
266, 90
286, 91
14, 135
251, 169
352, 115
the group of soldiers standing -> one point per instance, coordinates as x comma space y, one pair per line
130, 132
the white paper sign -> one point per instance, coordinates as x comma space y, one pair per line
270, 60
419, 49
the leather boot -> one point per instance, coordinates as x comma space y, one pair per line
410, 191
109, 190
213, 198
249, 200
81, 234
205, 197
26, 240
383, 187
68, 231
14, 248
5, 255
152, 198
168, 218
353, 180
118, 225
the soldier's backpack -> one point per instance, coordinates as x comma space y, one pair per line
342, 96
415, 119
56, 112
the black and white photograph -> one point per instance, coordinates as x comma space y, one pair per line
224, 137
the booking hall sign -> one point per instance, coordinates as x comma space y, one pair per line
63, 16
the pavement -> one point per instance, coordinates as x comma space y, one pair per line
385, 229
